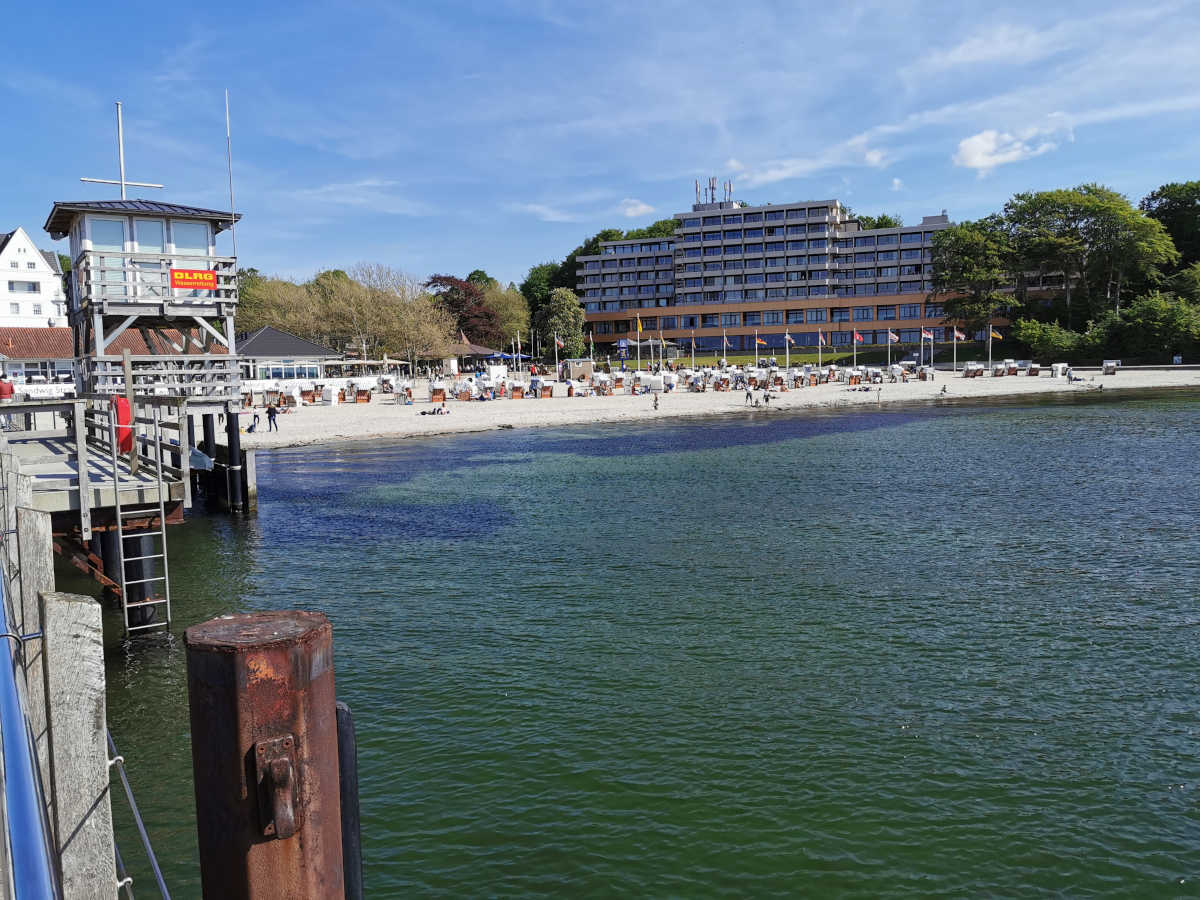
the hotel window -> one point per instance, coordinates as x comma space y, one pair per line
885, 312
817, 245
910, 310
712, 235
733, 250
610, 264
796, 260
690, 223
864, 273
752, 263
795, 214
795, 229
843, 244
752, 217
818, 259
864, 290
621, 327
795, 317
934, 311
712, 251
864, 242
712, 267
864, 257
776, 293
25, 287
817, 229
818, 274
688, 322
667, 322
797, 245
753, 318
733, 296
645, 260
818, 212
929, 236
773, 317
911, 238
733, 234
14, 308
733, 264
885, 239
712, 220
775, 262
604, 328
887, 287
864, 313
710, 321
690, 238
888, 271
628, 263
774, 231
910, 335
756, 294
839, 314
818, 290
775, 215
885, 255
840, 338
776, 276
592, 307
695, 251
815, 315
797, 291
910, 254
774, 247
754, 278
754, 232
797, 276
733, 220
662, 261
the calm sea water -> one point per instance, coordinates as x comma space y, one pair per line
945, 650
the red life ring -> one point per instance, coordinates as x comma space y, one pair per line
120, 407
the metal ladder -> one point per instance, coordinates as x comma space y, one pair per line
160, 532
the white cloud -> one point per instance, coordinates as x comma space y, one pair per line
897, 184
1012, 45
544, 212
991, 148
733, 165
373, 194
631, 208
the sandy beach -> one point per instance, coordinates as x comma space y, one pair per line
382, 418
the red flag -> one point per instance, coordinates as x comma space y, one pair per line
858, 338
927, 334
820, 337
760, 341
958, 335
558, 343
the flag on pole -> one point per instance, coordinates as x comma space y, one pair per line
639, 324
820, 338
893, 338
858, 338
558, 342
997, 335
760, 341
926, 334
959, 336
462, 336
726, 340
788, 338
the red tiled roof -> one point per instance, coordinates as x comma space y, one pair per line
58, 343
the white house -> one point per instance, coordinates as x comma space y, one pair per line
31, 289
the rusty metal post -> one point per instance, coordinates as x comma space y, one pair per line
265, 755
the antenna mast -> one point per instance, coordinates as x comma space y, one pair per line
229, 166
121, 160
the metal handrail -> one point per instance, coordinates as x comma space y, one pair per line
34, 872
119, 762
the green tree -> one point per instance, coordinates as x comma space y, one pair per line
883, 220
661, 229
1157, 326
64, 263
971, 265
512, 313
482, 280
1186, 283
562, 315
1177, 207
536, 287
1046, 339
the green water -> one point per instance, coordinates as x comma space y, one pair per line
936, 651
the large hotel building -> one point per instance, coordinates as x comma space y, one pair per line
791, 268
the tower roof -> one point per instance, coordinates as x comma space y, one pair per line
58, 223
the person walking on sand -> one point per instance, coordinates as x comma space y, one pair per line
656, 402
272, 425
749, 395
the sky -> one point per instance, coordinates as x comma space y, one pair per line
449, 136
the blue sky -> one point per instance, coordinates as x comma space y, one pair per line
454, 135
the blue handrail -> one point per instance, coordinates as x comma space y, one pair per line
35, 874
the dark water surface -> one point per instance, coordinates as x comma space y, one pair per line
936, 650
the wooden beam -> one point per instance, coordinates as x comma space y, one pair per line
35, 546
116, 333
79, 802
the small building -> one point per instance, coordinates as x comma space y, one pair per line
32, 283
271, 354
29, 355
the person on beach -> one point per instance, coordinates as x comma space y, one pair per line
749, 395
272, 425
656, 402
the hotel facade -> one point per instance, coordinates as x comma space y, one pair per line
732, 270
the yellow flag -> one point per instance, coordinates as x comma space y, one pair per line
997, 335
639, 324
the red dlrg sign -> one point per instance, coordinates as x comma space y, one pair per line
194, 279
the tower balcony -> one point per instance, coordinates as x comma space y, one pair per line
154, 284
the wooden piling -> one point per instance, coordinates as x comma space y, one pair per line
35, 542
77, 796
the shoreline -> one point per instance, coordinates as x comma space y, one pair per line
357, 423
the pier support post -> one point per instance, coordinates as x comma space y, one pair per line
265, 755
233, 444
80, 806
209, 422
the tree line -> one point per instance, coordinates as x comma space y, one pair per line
1124, 280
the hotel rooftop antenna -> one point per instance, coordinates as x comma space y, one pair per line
121, 156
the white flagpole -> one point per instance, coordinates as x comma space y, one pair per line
639, 346
889, 343
818, 348
854, 343
756, 348
693, 348
989, 348
787, 350
556, 356
955, 363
